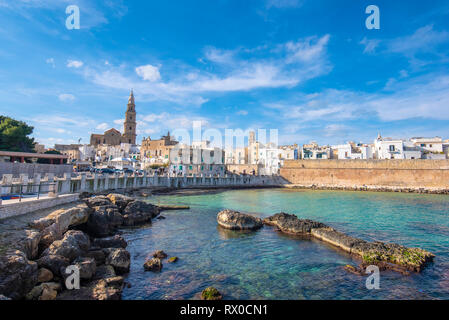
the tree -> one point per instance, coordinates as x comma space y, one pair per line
14, 135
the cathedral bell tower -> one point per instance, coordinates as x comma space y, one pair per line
129, 133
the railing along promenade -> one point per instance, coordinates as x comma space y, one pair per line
86, 182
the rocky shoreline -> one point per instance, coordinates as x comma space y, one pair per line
369, 188
84, 236
385, 255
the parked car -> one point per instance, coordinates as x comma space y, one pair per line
106, 171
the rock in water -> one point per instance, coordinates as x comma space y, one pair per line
18, 275
172, 259
154, 264
289, 223
211, 293
159, 254
387, 255
235, 220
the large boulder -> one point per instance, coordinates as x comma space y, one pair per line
289, 223
98, 256
56, 264
97, 201
235, 220
104, 271
74, 244
138, 212
54, 225
120, 200
104, 220
44, 291
120, 259
96, 290
18, 275
30, 244
87, 267
116, 241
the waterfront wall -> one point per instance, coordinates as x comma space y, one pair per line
427, 174
98, 182
31, 169
25, 206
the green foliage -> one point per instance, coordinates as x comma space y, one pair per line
47, 161
14, 135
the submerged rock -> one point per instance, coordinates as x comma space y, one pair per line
387, 255
235, 220
211, 293
172, 259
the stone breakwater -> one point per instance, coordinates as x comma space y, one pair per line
369, 188
386, 255
84, 236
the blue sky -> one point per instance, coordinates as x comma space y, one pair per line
308, 68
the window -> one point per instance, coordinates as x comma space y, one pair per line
392, 148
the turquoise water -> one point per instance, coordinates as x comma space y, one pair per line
268, 265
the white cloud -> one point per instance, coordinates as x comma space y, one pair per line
102, 126
307, 50
370, 45
74, 64
65, 97
148, 72
119, 121
242, 113
286, 66
425, 39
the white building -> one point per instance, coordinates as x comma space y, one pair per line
388, 148
353, 151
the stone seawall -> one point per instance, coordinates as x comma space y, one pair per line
391, 175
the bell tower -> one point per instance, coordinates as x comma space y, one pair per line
129, 133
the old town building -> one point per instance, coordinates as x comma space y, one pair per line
114, 137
